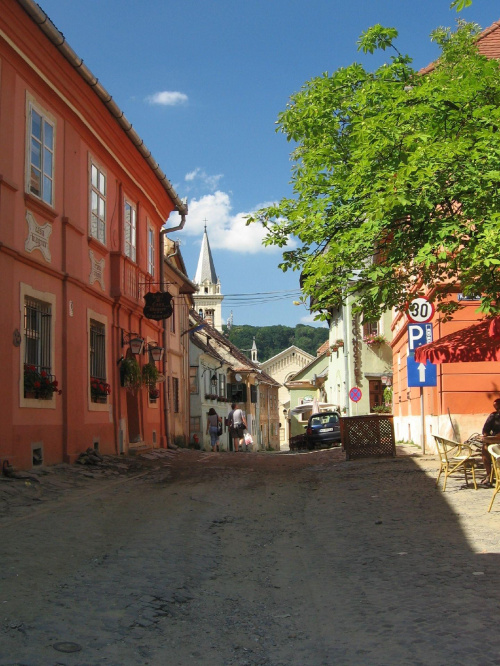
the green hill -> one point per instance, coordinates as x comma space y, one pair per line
272, 340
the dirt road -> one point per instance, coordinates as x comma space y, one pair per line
245, 559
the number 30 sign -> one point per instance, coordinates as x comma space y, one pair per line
420, 311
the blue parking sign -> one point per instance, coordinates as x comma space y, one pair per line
418, 335
421, 374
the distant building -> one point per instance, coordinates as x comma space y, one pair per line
221, 374
282, 367
208, 299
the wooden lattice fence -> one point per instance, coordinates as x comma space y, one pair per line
368, 436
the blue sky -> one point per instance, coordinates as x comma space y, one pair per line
203, 81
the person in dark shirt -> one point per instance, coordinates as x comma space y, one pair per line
491, 427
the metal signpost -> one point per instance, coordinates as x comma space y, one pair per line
420, 332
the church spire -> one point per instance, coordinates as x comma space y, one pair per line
208, 299
206, 268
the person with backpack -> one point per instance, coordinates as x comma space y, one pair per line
237, 426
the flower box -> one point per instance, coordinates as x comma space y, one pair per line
39, 384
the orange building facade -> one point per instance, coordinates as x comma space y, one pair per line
460, 402
462, 399
82, 204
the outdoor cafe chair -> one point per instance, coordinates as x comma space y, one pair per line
455, 458
494, 451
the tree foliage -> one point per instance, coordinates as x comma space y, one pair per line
396, 178
271, 340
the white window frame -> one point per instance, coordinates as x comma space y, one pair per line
46, 167
96, 194
26, 291
101, 319
130, 230
151, 250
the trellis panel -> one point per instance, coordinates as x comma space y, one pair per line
368, 436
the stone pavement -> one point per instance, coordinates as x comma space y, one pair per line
248, 560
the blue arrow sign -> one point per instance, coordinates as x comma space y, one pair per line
421, 374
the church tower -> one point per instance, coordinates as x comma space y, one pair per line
208, 299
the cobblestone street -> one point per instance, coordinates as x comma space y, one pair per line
275, 559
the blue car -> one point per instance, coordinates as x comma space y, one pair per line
323, 429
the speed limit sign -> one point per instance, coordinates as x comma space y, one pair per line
420, 311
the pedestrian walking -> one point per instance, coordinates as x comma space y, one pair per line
213, 423
237, 426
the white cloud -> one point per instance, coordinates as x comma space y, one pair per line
309, 319
167, 98
200, 176
226, 231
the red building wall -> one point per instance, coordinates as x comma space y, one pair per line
48, 253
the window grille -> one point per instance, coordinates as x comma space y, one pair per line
37, 332
175, 390
97, 350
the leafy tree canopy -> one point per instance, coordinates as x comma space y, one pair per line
396, 176
272, 340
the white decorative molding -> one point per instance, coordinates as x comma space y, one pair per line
38, 237
96, 270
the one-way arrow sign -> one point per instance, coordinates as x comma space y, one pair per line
420, 374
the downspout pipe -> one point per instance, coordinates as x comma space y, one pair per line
163, 232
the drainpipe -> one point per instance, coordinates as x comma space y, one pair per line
163, 233
346, 356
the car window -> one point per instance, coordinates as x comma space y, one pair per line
324, 419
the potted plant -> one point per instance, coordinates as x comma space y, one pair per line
99, 390
374, 340
150, 375
130, 374
39, 384
334, 348
339, 343
154, 393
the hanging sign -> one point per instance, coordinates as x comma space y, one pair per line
158, 305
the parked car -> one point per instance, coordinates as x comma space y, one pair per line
323, 429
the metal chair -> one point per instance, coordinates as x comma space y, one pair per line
494, 451
455, 458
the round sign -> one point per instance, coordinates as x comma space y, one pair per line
355, 394
420, 311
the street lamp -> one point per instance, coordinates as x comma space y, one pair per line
135, 341
155, 351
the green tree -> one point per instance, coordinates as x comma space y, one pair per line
272, 340
396, 179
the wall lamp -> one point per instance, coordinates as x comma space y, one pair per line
136, 343
155, 351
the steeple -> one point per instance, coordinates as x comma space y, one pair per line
208, 299
253, 351
206, 268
